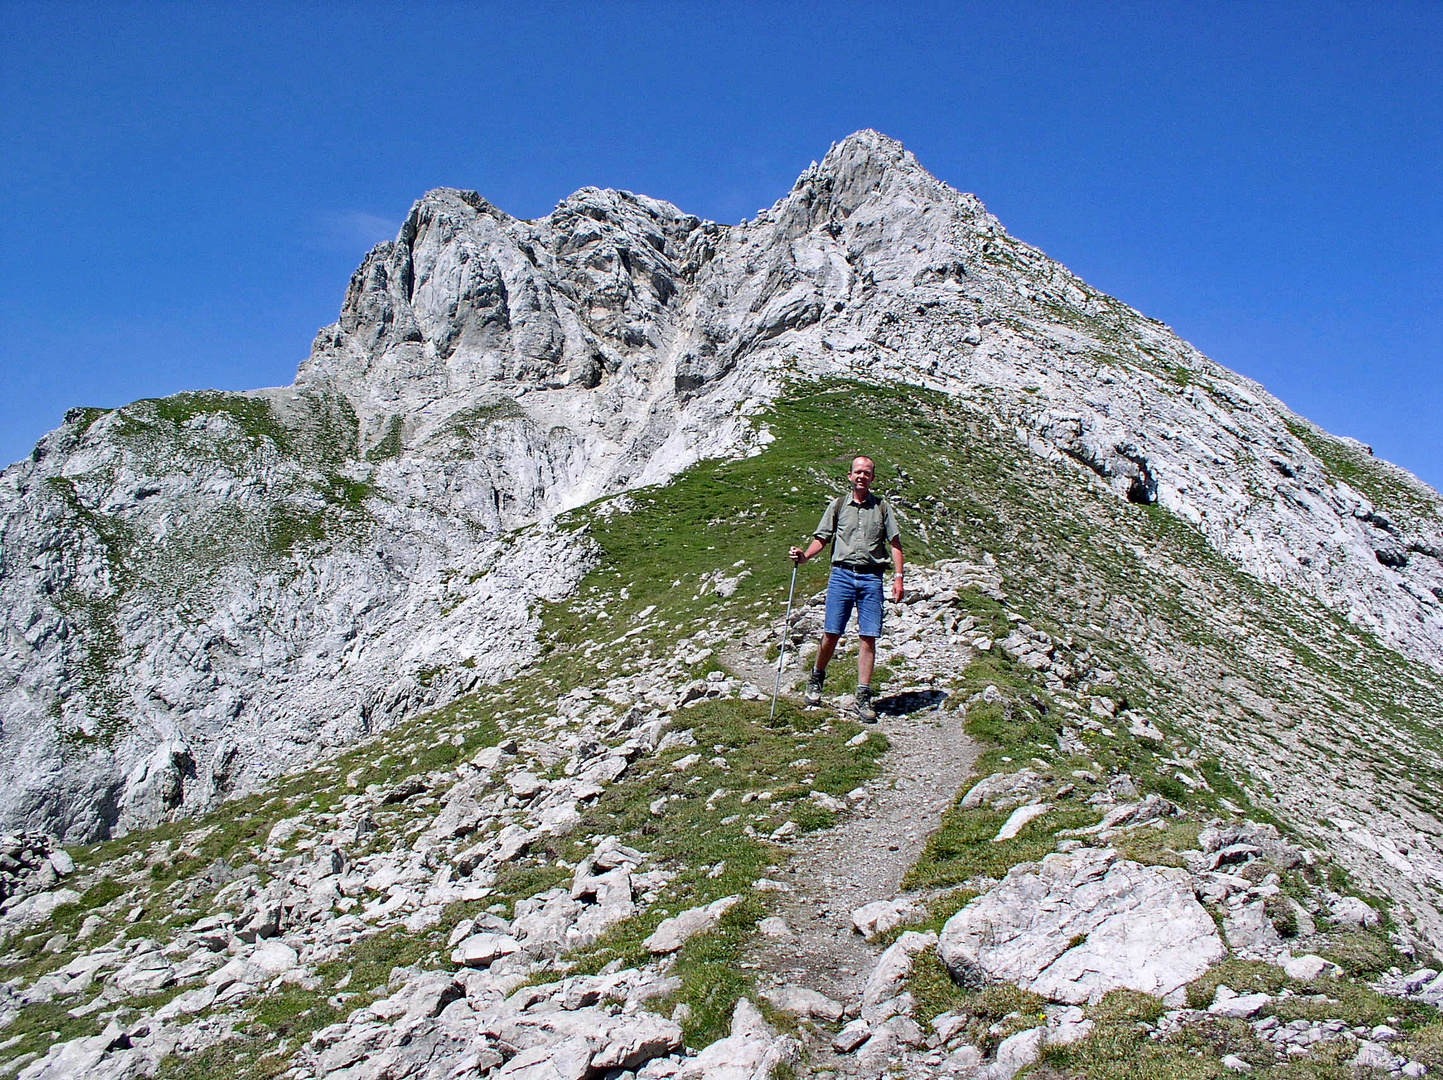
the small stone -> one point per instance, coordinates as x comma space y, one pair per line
1239, 1005
800, 1001
852, 1035
1306, 968
1019, 1050
907, 1031
274, 957
481, 950
948, 1024
1350, 911
964, 1057
524, 785
882, 915
1372, 1055
1018, 820
672, 933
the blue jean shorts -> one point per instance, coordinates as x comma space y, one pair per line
848, 588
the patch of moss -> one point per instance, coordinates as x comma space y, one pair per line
1159, 847
993, 1013
1354, 1003
712, 979
1282, 913
1424, 1044
517, 881
388, 446
240, 1055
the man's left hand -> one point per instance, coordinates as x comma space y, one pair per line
897, 588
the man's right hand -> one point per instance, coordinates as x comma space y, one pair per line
797, 555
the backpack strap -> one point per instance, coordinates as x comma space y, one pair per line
835, 509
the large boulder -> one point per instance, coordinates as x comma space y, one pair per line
1083, 923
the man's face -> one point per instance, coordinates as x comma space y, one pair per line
862, 474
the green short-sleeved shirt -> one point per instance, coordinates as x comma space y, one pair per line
861, 531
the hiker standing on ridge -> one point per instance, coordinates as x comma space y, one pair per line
861, 528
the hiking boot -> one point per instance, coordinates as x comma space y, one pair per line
865, 712
812, 695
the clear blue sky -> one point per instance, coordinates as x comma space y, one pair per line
186, 188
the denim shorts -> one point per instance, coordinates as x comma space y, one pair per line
848, 588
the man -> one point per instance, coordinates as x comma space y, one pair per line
861, 528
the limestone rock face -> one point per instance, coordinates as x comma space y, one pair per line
1081, 924
202, 590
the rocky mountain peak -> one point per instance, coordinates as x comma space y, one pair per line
422, 705
867, 163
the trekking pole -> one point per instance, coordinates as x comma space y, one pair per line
782, 654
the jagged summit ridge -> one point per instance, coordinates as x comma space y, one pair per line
203, 589
621, 295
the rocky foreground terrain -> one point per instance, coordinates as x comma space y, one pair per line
415, 720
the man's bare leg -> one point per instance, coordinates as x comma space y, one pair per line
825, 650
813, 693
866, 658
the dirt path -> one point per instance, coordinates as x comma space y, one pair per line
864, 858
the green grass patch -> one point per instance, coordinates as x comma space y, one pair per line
83, 416
1343, 999
1159, 847
703, 838
388, 446
1374, 479
1424, 1044
1126, 1007
242, 1056
1359, 953
962, 846
993, 1012
711, 976
1122, 1050
1244, 976
518, 881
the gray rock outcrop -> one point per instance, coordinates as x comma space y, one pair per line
1081, 924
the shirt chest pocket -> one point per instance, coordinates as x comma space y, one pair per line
868, 527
